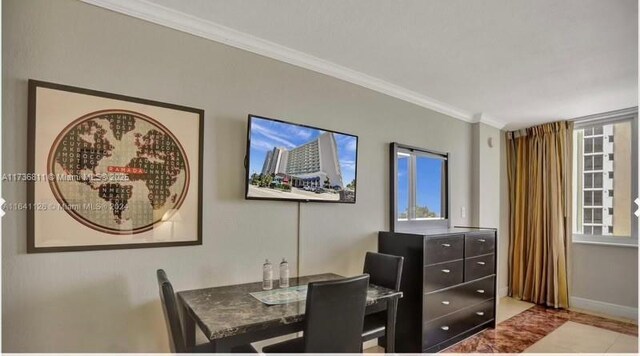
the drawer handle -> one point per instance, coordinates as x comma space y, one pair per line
445, 328
480, 313
446, 302
481, 263
446, 245
446, 271
482, 240
481, 291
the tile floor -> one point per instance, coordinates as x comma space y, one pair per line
509, 307
525, 327
575, 337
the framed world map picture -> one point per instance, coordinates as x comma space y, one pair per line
108, 171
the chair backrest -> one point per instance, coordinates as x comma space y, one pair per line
334, 315
384, 270
171, 316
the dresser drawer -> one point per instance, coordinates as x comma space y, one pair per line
444, 302
477, 291
476, 244
447, 327
443, 248
483, 312
478, 267
443, 275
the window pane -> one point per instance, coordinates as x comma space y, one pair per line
597, 162
588, 180
403, 186
597, 216
603, 166
597, 144
429, 187
597, 180
588, 215
588, 163
588, 145
597, 198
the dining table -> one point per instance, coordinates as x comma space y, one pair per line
230, 316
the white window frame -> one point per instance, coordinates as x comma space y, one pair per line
630, 114
411, 222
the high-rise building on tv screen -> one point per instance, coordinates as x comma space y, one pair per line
296, 162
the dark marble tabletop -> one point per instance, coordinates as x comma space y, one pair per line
230, 310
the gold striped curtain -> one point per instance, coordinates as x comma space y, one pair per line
539, 164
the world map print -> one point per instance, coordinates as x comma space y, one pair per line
118, 171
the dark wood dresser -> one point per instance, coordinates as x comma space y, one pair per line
449, 285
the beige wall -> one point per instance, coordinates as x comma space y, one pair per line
107, 300
488, 192
607, 274
503, 247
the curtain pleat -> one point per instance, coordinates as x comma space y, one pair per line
539, 176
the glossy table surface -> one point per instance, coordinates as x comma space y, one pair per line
222, 312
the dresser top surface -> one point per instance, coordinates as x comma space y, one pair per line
443, 231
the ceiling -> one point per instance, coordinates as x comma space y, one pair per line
511, 63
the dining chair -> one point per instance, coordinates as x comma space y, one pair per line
333, 319
174, 327
385, 271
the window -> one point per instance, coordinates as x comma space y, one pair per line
593, 180
593, 163
605, 156
419, 187
592, 198
402, 194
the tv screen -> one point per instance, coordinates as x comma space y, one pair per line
287, 161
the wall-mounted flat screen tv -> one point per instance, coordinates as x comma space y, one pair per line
287, 161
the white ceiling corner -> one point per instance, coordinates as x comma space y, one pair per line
507, 63
180, 21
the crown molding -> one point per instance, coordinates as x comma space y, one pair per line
196, 26
488, 120
609, 115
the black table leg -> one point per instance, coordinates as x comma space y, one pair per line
390, 328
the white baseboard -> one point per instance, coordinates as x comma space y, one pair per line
502, 292
616, 310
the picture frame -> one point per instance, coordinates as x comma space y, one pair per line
109, 171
